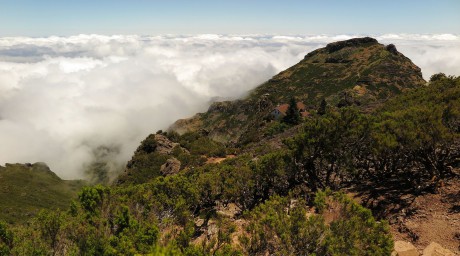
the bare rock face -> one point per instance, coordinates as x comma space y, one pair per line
172, 166
191, 124
405, 249
213, 229
164, 145
435, 249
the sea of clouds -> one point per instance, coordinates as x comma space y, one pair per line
62, 99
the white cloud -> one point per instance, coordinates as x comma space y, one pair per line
432, 53
62, 97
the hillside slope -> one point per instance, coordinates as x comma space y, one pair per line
27, 188
358, 72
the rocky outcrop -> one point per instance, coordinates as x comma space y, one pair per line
333, 47
172, 166
191, 124
164, 145
153, 158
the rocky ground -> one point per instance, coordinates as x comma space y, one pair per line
403, 248
427, 224
419, 218
432, 218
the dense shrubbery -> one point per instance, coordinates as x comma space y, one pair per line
115, 221
275, 128
198, 144
414, 137
158, 218
6, 239
284, 227
325, 151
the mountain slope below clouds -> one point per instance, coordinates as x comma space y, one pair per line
358, 71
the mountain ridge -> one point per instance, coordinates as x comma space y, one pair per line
358, 71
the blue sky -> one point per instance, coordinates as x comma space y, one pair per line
68, 17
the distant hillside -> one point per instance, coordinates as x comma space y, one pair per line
27, 188
358, 72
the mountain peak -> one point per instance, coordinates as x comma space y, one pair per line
354, 42
358, 71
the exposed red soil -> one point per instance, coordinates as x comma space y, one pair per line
216, 160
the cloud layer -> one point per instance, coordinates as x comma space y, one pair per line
63, 97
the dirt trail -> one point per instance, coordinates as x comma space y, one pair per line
432, 218
419, 218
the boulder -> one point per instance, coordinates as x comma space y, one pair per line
172, 166
435, 249
405, 249
199, 222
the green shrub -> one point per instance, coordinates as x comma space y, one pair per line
281, 227
275, 128
6, 239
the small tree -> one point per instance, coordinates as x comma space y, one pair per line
322, 107
292, 113
437, 77
50, 224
